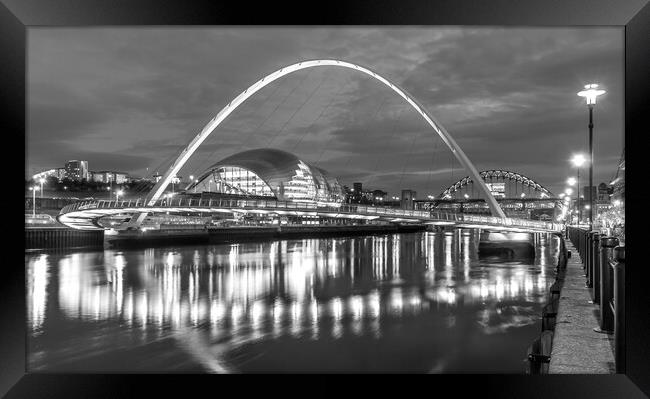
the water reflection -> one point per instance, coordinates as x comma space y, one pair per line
224, 297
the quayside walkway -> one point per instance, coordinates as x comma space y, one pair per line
577, 348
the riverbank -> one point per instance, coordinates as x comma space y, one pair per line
577, 348
130, 239
38, 238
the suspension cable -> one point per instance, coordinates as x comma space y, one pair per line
296, 112
318, 118
209, 159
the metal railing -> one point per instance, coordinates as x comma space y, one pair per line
307, 206
604, 264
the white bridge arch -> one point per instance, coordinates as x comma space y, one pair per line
159, 188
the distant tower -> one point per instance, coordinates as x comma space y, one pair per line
77, 170
358, 190
407, 199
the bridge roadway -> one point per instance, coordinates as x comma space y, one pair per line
85, 215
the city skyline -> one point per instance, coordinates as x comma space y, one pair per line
128, 99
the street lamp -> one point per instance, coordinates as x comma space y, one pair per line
590, 93
42, 181
578, 160
571, 181
34, 190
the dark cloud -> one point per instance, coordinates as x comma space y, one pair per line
131, 99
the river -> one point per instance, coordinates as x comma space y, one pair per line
400, 303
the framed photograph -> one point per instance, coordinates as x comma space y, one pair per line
393, 188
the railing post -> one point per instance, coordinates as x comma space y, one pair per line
583, 245
619, 307
587, 260
607, 245
594, 259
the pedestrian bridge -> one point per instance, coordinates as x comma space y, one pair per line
85, 215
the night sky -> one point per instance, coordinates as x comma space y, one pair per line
128, 99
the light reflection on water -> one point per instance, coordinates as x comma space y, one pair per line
402, 303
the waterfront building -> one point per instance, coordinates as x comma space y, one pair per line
107, 176
77, 170
45, 174
271, 173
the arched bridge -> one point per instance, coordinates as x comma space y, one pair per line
438, 129
496, 175
86, 215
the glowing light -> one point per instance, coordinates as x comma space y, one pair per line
571, 181
590, 93
578, 160
337, 308
568, 191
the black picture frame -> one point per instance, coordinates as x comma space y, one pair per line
16, 16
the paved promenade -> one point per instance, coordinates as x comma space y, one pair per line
577, 348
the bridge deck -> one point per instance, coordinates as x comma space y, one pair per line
577, 348
84, 214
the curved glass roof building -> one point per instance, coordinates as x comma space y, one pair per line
271, 173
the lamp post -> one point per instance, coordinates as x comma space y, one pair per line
590, 93
568, 191
34, 189
578, 160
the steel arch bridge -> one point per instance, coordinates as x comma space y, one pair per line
498, 175
160, 187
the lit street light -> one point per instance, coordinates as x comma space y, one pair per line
34, 189
42, 181
523, 195
590, 93
571, 181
